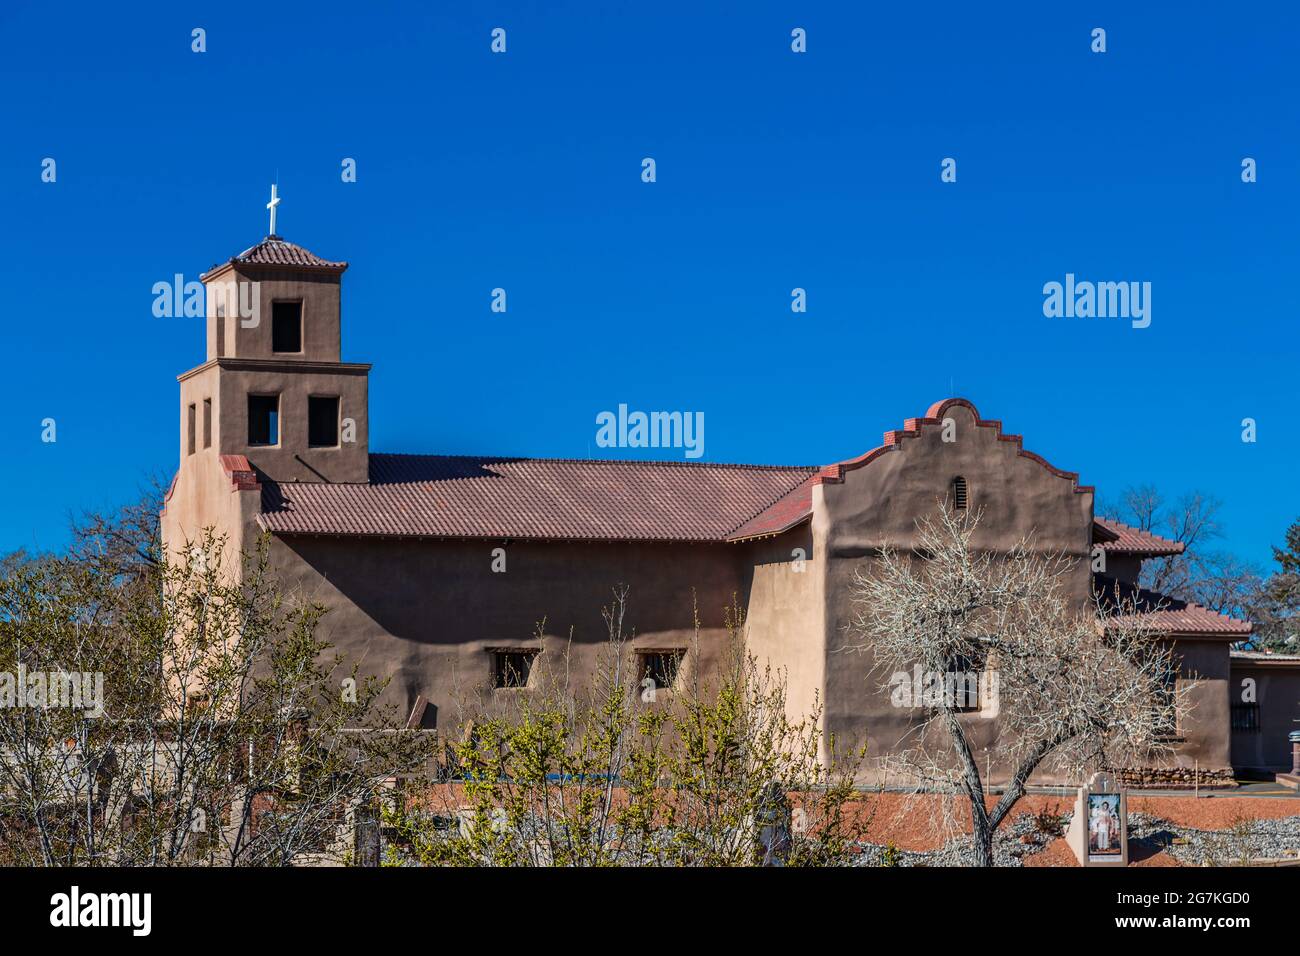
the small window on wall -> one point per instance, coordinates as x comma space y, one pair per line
512, 668
286, 326
962, 684
959, 492
323, 422
207, 423
661, 667
189, 424
263, 419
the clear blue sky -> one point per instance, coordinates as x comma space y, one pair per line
775, 170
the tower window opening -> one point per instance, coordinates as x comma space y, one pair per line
286, 326
263, 419
323, 421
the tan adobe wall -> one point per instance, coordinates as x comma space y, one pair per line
877, 504
426, 613
291, 459
786, 615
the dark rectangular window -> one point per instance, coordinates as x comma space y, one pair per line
661, 667
286, 326
322, 422
959, 689
190, 426
511, 668
263, 419
966, 673
1245, 717
207, 423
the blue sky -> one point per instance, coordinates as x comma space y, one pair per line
775, 170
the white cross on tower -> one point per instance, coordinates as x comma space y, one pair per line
275, 201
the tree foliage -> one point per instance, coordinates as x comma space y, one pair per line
226, 733
696, 777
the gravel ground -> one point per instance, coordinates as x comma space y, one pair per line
1245, 840
1014, 841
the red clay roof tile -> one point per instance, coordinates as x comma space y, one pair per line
1170, 615
556, 499
438, 496
274, 251
782, 515
1115, 537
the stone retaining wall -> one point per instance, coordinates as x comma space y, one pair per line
1176, 778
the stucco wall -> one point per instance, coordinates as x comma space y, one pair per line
1277, 690
239, 337
202, 496
1204, 730
290, 459
785, 625
427, 613
877, 506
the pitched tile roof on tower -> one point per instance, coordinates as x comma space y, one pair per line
1115, 537
275, 251
532, 498
1168, 615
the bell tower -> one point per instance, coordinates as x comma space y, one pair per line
274, 388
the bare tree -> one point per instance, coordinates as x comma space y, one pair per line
208, 724
1078, 687
125, 541
1192, 520
1218, 580
1223, 583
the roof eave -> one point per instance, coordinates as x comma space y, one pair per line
533, 539
788, 526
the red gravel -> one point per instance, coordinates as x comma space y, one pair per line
905, 820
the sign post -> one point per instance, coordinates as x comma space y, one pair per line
1098, 832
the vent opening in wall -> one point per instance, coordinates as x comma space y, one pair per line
959, 492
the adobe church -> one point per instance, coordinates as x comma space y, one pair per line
407, 551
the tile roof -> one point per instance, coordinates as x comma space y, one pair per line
781, 515
456, 497
1115, 537
556, 499
1170, 615
274, 251
1265, 656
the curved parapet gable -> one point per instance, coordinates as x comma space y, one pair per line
934, 416
797, 506
953, 454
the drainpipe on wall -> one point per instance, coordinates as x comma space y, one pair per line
1294, 737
